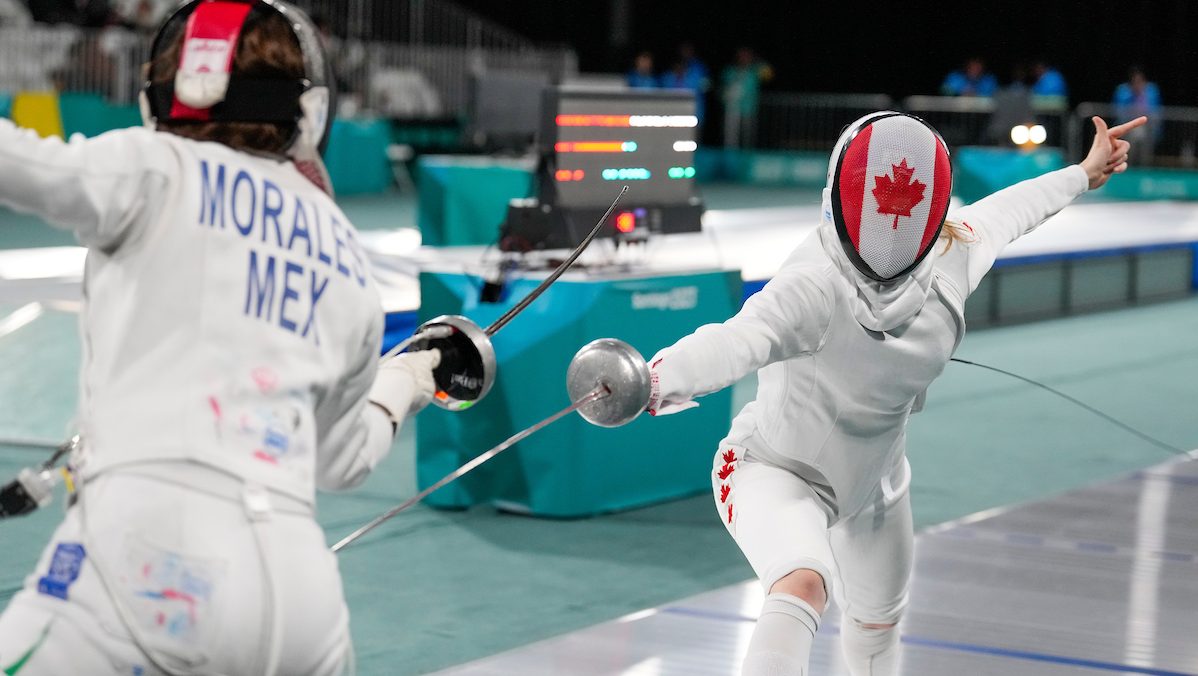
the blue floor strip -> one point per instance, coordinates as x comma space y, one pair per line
959, 647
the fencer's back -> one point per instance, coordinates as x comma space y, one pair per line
223, 317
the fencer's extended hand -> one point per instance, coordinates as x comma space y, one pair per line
404, 384
1108, 153
666, 394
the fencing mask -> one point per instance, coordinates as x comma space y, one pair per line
889, 182
206, 88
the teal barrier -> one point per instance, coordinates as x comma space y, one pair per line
92, 114
5, 105
572, 468
1153, 184
357, 156
977, 171
801, 169
463, 199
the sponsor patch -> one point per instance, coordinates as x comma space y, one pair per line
64, 570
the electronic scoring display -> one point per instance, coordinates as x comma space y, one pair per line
596, 141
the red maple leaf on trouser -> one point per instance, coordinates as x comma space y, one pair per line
900, 195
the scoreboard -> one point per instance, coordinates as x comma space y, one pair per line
591, 143
597, 141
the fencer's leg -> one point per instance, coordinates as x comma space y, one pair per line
781, 525
38, 639
874, 552
871, 649
782, 639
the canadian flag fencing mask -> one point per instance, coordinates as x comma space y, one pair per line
890, 183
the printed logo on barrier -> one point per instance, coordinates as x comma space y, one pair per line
682, 298
64, 570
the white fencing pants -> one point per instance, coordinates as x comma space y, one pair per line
150, 576
781, 524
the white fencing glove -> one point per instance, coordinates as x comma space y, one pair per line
404, 384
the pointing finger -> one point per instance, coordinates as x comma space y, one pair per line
1116, 132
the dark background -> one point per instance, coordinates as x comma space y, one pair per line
896, 47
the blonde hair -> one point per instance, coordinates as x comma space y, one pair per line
956, 232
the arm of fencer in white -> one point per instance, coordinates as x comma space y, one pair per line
357, 434
98, 187
1007, 215
787, 318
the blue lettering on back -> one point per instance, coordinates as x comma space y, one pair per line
212, 197
298, 231
260, 289
243, 178
338, 244
271, 208
317, 288
289, 293
320, 254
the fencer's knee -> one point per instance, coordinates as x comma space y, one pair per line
877, 627
805, 584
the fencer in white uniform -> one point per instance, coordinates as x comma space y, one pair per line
231, 333
812, 479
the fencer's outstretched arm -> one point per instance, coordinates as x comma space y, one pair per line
363, 414
1010, 213
789, 317
101, 188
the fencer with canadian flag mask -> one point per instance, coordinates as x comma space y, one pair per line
231, 335
889, 183
812, 480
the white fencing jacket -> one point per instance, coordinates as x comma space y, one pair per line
833, 397
231, 318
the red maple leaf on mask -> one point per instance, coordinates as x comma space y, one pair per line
898, 195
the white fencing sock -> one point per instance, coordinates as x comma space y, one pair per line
870, 652
781, 643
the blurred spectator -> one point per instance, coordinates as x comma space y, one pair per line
1048, 80
742, 91
971, 80
14, 13
688, 73
1012, 106
641, 76
143, 15
350, 71
1132, 99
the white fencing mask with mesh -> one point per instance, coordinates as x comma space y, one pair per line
889, 182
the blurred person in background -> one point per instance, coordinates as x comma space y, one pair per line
1138, 97
971, 80
688, 72
741, 83
1012, 106
1048, 81
641, 76
14, 13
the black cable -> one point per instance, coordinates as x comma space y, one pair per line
1128, 428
